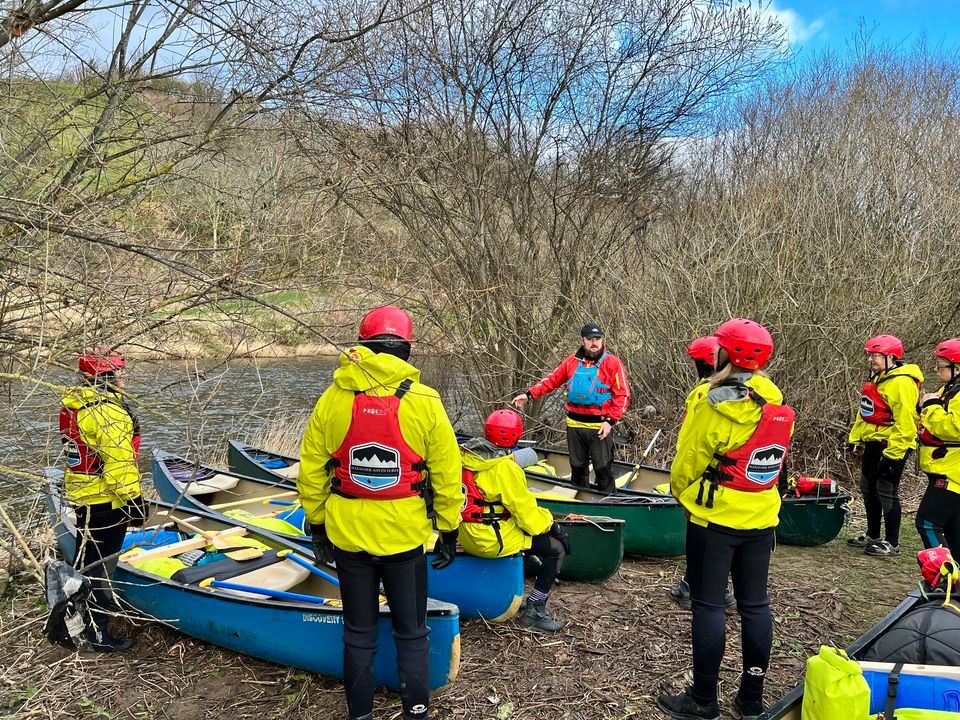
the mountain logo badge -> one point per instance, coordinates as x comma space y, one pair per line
765, 463
374, 466
866, 406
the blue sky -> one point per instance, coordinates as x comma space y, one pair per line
817, 24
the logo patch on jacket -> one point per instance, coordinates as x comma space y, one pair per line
374, 466
764, 464
866, 406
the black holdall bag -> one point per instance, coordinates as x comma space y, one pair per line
927, 635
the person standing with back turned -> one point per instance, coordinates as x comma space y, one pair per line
597, 397
730, 452
885, 431
379, 466
101, 439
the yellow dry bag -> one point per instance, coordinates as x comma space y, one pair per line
834, 688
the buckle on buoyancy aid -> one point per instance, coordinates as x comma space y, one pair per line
712, 477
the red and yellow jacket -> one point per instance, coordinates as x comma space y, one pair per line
610, 373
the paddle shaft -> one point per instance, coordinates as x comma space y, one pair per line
643, 456
231, 551
251, 501
309, 566
132, 557
279, 594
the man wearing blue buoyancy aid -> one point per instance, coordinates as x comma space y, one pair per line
597, 396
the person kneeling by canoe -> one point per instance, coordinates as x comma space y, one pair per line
730, 453
500, 516
379, 469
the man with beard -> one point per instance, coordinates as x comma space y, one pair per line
597, 396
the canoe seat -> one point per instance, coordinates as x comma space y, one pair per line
291, 471
212, 484
281, 575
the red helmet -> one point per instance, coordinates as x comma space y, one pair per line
503, 428
885, 345
94, 363
949, 350
386, 320
704, 348
748, 344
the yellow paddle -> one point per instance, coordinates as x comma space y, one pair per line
231, 551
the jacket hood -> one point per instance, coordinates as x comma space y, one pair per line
361, 369
473, 461
910, 370
76, 397
731, 400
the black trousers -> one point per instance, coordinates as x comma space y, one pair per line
100, 533
404, 578
938, 517
881, 493
585, 446
551, 555
713, 553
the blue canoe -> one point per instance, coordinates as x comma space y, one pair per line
481, 587
291, 631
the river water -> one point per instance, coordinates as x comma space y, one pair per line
186, 408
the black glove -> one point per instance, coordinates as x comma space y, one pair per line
322, 547
136, 510
446, 550
560, 534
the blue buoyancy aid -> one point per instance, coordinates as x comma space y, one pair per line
585, 388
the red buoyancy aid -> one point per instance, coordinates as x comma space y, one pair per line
81, 458
476, 508
374, 462
755, 466
928, 438
873, 408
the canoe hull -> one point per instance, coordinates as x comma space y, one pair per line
805, 521
810, 521
491, 589
652, 529
295, 634
598, 548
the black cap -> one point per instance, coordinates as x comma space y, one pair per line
591, 330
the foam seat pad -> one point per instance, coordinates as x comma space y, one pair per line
291, 471
211, 484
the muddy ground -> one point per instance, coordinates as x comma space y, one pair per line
625, 641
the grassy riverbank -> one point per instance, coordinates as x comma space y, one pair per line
625, 640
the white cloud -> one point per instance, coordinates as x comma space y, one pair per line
798, 30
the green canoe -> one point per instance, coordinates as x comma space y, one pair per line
654, 525
806, 520
604, 536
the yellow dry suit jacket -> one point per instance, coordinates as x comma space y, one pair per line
901, 393
380, 527
502, 481
107, 427
943, 421
717, 422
